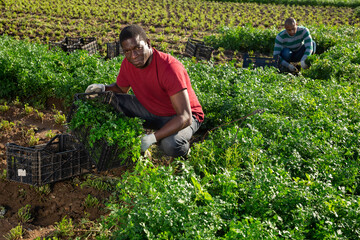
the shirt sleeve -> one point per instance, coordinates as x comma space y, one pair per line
278, 45
307, 42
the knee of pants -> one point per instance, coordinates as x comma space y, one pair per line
286, 54
174, 147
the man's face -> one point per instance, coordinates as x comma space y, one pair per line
291, 29
137, 52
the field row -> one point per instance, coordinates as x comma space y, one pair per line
339, 3
169, 23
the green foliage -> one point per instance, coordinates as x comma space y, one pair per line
16, 101
100, 183
357, 12
31, 135
291, 172
60, 118
104, 124
91, 201
44, 190
327, 36
299, 208
340, 63
172, 17
47, 238
161, 205
64, 228
6, 125
302, 150
280, 193
40, 115
28, 109
248, 38
3, 174
50, 134
34, 74
15, 233
231, 147
338, 3
300, 115
229, 93
250, 228
24, 214
244, 38
4, 107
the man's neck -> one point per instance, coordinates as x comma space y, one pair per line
150, 58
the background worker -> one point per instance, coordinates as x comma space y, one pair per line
294, 44
164, 97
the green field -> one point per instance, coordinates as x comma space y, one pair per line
169, 23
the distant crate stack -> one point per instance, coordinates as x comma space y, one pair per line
61, 158
198, 49
113, 49
70, 44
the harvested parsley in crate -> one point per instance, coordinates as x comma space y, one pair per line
110, 138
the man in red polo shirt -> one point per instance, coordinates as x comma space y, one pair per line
163, 96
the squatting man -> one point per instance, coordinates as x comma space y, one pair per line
163, 95
294, 44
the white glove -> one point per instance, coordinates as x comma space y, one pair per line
304, 65
292, 68
147, 141
95, 88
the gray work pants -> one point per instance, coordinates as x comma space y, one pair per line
175, 145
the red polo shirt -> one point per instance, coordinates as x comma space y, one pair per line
153, 85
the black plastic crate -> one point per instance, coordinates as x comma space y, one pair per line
198, 49
103, 155
70, 44
191, 46
113, 49
61, 158
260, 61
203, 52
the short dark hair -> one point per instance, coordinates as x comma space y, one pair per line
132, 31
290, 21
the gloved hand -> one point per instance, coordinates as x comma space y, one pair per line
304, 65
292, 68
147, 141
95, 88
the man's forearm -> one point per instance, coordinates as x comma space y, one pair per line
114, 88
173, 126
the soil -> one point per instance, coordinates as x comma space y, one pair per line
66, 198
